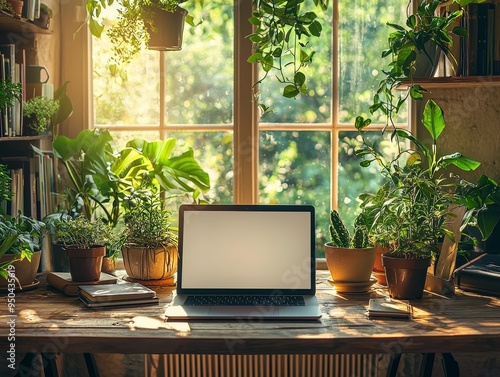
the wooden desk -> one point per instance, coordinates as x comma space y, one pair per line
49, 322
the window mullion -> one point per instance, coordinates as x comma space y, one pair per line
162, 110
246, 133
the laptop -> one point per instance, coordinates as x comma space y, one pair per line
246, 262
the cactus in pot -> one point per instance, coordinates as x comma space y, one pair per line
350, 258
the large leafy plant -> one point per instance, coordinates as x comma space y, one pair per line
282, 36
409, 211
100, 178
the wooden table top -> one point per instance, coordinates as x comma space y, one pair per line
48, 321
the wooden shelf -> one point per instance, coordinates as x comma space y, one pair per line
23, 138
455, 82
10, 23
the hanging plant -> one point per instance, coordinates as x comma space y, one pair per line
282, 36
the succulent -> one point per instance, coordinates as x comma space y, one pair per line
340, 235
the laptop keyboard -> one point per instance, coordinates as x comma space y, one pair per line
245, 300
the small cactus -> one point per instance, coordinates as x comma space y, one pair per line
340, 235
338, 231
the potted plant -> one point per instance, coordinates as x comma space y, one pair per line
85, 244
409, 211
99, 178
21, 240
414, 50
158, 24
37, 113
15, 7
349, 258
283, 33
46, 15
150, 242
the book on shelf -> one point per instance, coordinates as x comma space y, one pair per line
113, 295
62, 281
389, 308
32, 185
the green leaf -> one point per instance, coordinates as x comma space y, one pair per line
299, 79
254, 21
315, 28
462, 162
487, 219
95, 28
461, 31
290, 91
433, 119
254, 58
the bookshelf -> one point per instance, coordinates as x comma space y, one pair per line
33, 175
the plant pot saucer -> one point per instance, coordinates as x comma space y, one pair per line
170, 282
26, 287
347, 287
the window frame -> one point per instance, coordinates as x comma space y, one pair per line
76, 66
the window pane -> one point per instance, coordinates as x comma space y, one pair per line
316, 106
295, 169
362, 38
132, 101
200, 76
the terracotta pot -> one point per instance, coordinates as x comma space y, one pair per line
109, 265
405, 277
169, 30
143, 263
349, 265
17, 7
85, 264
25, 270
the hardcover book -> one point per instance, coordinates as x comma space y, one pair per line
389, 308
116, 292
63, 282
119, 303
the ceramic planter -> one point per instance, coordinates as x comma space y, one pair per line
169, 30
349, 265
405, 277
85, 264
25, 270
142, 263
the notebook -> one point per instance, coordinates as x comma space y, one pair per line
250, 254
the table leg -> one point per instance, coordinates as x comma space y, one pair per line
91, 365
392, 369
450, 366
49, 365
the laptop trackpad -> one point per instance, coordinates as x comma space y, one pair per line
243, 311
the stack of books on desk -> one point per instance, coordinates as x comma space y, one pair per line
117, 295
389, 308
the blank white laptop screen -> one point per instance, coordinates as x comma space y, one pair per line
246, 249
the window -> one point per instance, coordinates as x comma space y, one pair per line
303, 153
